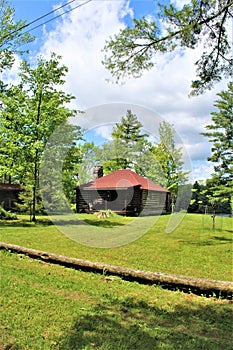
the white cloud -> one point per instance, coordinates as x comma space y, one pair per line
198, 151
202, 170
105, 131
181, 3
11, 76
79, 38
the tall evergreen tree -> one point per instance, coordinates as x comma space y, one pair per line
197, 198
127, 146
220, 134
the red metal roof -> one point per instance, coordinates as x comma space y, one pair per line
10, 187
122, 179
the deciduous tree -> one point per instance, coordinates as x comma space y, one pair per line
31, 111
167, 165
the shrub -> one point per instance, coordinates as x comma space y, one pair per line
6, 215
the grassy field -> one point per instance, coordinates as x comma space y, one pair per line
193, 249
50, 307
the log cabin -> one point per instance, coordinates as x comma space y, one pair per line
9, 195
124, 192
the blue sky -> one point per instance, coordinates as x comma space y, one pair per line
30, 10
79, 38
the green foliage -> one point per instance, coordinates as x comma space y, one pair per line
31, 112
195, 202
91, 155
11, 36
58, 168
6, 215
71, 170
129, 130
133, 49
221, 135
204, 200
26, 199
128, 147
166, 164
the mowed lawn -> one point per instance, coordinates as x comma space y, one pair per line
50, 307
193, 249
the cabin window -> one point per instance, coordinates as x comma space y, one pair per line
111, 195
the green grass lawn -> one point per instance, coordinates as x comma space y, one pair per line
50, 307
193, 249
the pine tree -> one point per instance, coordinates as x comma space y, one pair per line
134, 48
221, 136
127, 147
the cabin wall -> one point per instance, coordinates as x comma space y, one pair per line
82, 200
8, 198
132, 201
125, 200
154, 203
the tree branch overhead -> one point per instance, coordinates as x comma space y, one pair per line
134, 50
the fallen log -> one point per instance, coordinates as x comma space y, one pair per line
200, 286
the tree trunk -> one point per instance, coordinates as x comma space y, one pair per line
34, 189
169, 281
36, 176
213, 221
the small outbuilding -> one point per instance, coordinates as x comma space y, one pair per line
9, 195
124, 192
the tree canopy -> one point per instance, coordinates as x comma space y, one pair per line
132, 50
166, 166
160, 161
30, 113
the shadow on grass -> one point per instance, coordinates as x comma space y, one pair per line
10, 347
216, 240
104, 223
25, 223
127, 324
93, 222
60, 222
223, 239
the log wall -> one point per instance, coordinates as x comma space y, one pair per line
131, 201
154, 203
8, 198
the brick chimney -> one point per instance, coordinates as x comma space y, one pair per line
97, 172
